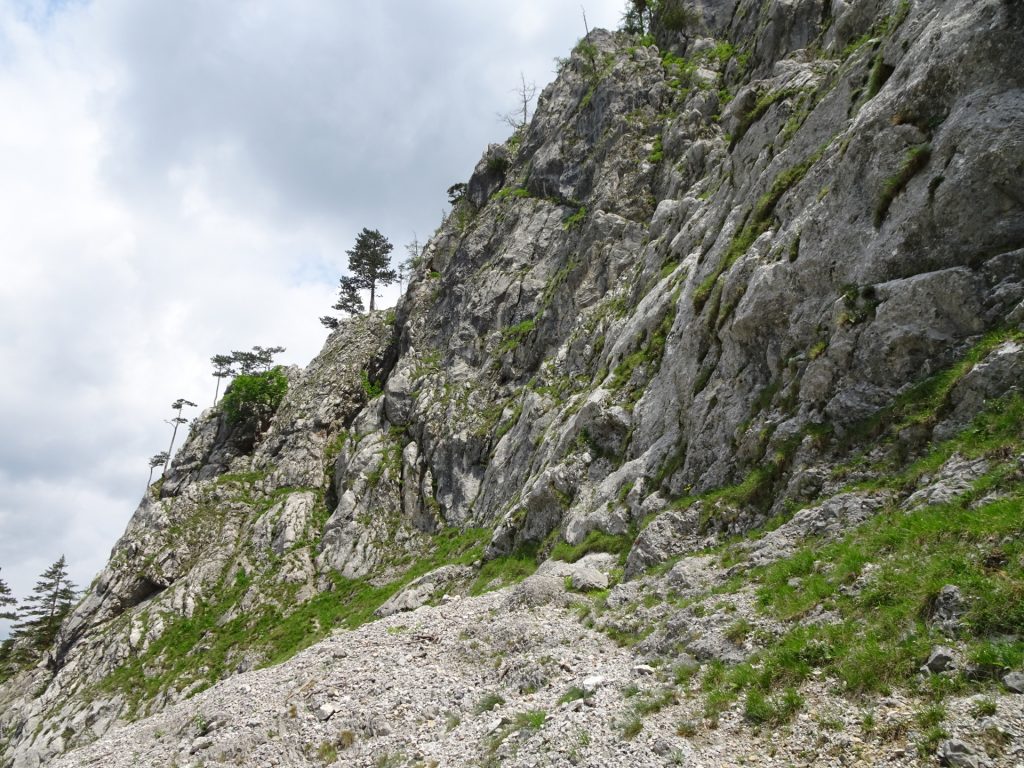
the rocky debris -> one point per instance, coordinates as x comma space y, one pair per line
325, 711
548, 585
429, 588
588, 580
435, 685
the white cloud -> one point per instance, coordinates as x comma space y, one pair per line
182, 179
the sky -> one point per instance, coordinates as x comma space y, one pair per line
182, 179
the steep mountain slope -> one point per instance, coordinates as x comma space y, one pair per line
738, 280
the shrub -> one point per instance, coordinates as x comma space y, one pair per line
253, 399
497, 164
372, 389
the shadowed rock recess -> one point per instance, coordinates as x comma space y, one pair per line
697, 439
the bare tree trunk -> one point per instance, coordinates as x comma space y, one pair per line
174, 434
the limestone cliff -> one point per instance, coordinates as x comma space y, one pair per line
712, 283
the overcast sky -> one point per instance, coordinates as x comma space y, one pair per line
180, 179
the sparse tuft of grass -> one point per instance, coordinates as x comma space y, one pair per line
573, 694
655, 701
632, 727
515, 335
763, 104
488, 702
880, 73
914, 162
327, 752
773, 710
757, 223
985, 707
531, 719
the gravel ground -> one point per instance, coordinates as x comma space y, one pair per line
412, 690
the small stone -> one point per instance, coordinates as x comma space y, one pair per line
940, 660
325, 711
589, 579
957, 754
662, 747
1014, 682
592, 683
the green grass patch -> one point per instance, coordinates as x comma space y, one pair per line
632, 727
879, 75
371, 389
595, 541
531, 719
505, 570
924, 403
513, 192
573, 694
773, 710
647, 358
515, 335
655, 701
575, 220
657, 152
883, 635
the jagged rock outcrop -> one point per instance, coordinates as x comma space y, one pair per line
704, 276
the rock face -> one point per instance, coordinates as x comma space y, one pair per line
710, 264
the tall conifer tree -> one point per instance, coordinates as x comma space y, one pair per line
43, 611
369, 262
